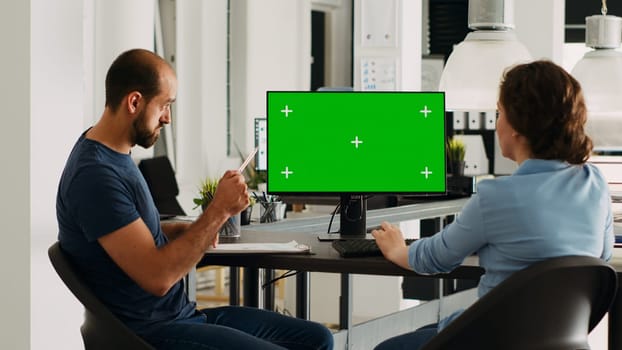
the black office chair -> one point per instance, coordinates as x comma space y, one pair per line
160, 177
101, 329
551, 305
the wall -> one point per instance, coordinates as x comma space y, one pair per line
15, 148
259, 33
57, 100
118, 28
540, 27
271, 51
390, 41
201, 96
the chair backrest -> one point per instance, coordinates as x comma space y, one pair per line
101, 328
550, 305
160, 177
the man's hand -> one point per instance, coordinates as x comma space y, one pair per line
391, 242
231, 194
230, 198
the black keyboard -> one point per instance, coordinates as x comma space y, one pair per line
351, 248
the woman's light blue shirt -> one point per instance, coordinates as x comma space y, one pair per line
545, 209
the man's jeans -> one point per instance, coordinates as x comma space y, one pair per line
236, 327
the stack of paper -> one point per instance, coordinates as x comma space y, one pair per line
291, 247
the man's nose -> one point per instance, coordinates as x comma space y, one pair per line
166, 118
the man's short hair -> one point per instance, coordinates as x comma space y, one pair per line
133, 70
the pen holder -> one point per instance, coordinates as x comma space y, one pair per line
231, 228
246, 214
271, 211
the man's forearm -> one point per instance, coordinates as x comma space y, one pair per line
174, 229
188, 248
157, 269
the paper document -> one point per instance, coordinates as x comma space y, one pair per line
245, 248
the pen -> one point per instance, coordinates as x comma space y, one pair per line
248, 160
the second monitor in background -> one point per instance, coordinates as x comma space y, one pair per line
261, 161
355, 144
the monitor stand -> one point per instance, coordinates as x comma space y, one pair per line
352, 220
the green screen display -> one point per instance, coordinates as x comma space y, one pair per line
356, 142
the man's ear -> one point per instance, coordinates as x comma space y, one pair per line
134, 100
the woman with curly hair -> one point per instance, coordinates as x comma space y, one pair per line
554, 204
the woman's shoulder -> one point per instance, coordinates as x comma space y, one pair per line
494, 184
593, 169
596, 175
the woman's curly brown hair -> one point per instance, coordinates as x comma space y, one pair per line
545, 104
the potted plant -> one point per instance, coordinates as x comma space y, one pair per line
207, 189
455, 154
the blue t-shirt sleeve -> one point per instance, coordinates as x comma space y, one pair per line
101, 202
446, 250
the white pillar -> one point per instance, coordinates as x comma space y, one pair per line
56, 109
272, 51
15, 178
387, 44
201, 97
540, 27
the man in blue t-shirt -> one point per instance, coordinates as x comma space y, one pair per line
110, 228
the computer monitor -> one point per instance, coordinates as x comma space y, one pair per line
261, 157
355, 144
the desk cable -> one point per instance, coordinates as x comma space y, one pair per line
332, 216
284, 275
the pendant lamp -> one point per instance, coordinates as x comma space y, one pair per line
600, 74
473, 71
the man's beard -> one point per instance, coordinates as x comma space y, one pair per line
141, 135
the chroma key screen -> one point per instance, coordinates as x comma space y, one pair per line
356, 142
